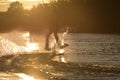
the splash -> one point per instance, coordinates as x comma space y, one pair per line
55, 46
52, 42
20, 42
62, 41
30, 46
61, 51
62, 38
7, 47
16, 43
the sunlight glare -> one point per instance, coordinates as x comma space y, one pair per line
25, 35
61, 51
63, 59
25, 77
32, 47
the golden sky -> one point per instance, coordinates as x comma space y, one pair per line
4, 4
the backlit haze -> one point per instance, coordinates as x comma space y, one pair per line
4, 4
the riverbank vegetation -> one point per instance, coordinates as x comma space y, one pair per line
86, 16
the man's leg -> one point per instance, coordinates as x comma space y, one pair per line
56, 37
57, 40
47, 41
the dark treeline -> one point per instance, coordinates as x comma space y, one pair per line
87, 16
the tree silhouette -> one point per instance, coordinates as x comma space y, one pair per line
15, 13
83, 15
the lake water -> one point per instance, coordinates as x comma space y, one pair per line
88, 57
94, 51
91, 48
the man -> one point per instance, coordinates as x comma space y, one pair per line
54, 30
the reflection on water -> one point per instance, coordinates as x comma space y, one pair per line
25, 77
60, 58
89, 57
61, 51
63, 59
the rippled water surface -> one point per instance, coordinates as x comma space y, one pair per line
93, 48
88, 57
